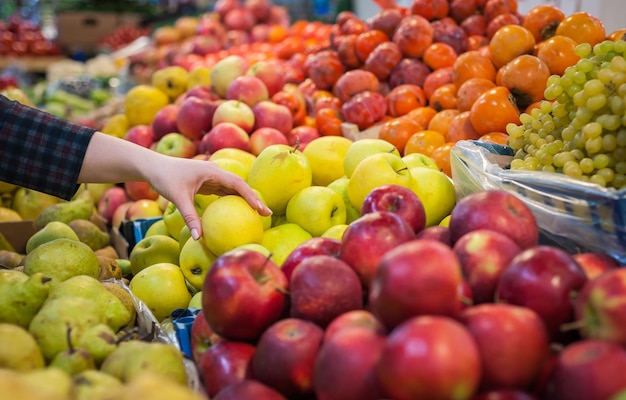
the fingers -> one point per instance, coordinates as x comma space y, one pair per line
191, 217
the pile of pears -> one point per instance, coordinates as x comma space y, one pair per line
68, 321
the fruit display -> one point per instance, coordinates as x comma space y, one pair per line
373, 278
20, 37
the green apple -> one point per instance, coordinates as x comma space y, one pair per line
436, 191
281, 240
341, 186
278, 173
153, 250
202, 201
362, 148
335, 232
377, 170
326, 155
173, 220
229, 222
316, 209
184, 235
235, 166
162, 288
196, 301
419, 160
232, 153
157, 228
194, 260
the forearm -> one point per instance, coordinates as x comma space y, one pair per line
110, 159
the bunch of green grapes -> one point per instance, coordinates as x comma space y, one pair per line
580, 129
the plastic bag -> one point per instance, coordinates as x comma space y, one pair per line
571, 214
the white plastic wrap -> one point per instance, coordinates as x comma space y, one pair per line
571, 214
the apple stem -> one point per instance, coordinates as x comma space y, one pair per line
466, 300
575, 325
402, 169
282, 291
297, 145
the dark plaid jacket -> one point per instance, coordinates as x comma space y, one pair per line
40, 151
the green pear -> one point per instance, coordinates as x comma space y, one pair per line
279, 172
134, 357
115, 314
99, 341
148, 385
9, 215
125, 297
152, 250
90, 234
61, 259
21, 296
30, 203
10, 259
93, 384
81, 207
40, 384
72, 360
49, 326
19, 350
52, 230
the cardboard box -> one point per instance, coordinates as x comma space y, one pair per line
17, 233
81, 30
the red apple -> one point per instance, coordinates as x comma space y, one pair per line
225, 135
224, 363
397, 199
165, 121
141, 135
429, 357
119, 215
302, 135
285, 356
176, 145
140, 190
345, 368
143, 209
594, 264
260, 9
263, 137
354, 319
418, 277
201, 336
110, 200
201, 92
311, 247
544, 279
600, 306
236, 112
244, 292
368, 238
205, 44
512, 341
239, 19
248, 89
436, 232
588, 370
272, 115
497, 210
322, 288
484, 254
270, 72
222, 7
249, 389
195, 116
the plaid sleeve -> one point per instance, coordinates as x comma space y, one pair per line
40, 151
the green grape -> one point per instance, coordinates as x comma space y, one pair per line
607, 173
598, 180
620, 167
583, 50
545, 107
609, 143
596, 102
577, 154
605, 77
594, 145
600, 161
619, 154
572, 169
548, 168
586, 165
621, 137
517, 163
593, 87
568, 133
618, 64
616, 104
592, 130
580, 99
619, 182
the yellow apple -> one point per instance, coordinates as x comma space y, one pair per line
341, 186
185, 234
281, 240
232, 153
162, 288
445, 221
256, 247
229, 222
234, 166
419, 160
194, 260
315, 209
199, 76
278, 219
377, 170
335, 232
201, 201
173, 220
436, 191
157, 228
326, 154
278, 173
196, 301
267, 219
360, 149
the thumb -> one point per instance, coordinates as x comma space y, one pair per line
192, 219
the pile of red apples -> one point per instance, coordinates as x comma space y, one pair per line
479, 309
